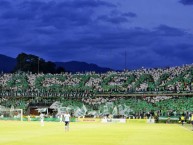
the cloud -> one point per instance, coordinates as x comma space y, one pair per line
116, 17
17, 15
169, 31
181, 53
4, 4
186, 2
144, 48
114, 20
47, 30
86, 3
94, 31
78, 12
129, 14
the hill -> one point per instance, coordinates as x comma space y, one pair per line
76, 66
7, 64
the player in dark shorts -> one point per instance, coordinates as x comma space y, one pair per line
182, 119
66, 121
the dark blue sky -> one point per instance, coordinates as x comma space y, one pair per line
153, 33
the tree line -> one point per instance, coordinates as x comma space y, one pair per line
35, 64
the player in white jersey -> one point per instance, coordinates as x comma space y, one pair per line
61, 117
42, 119
66, 121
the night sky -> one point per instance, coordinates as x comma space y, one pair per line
148, 33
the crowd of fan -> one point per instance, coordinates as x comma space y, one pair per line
173, 79
85, 86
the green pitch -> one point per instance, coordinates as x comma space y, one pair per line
131, 133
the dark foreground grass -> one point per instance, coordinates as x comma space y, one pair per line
131, 133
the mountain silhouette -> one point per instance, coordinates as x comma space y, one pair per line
76, 66
7, 64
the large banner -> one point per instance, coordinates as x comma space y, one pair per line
106, 120
88, 120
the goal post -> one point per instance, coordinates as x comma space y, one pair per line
11, 114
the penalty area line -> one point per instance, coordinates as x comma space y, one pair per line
186, 128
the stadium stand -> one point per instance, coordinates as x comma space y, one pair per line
160, 91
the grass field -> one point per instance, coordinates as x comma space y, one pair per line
131, 133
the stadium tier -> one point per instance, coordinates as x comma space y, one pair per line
137, 93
